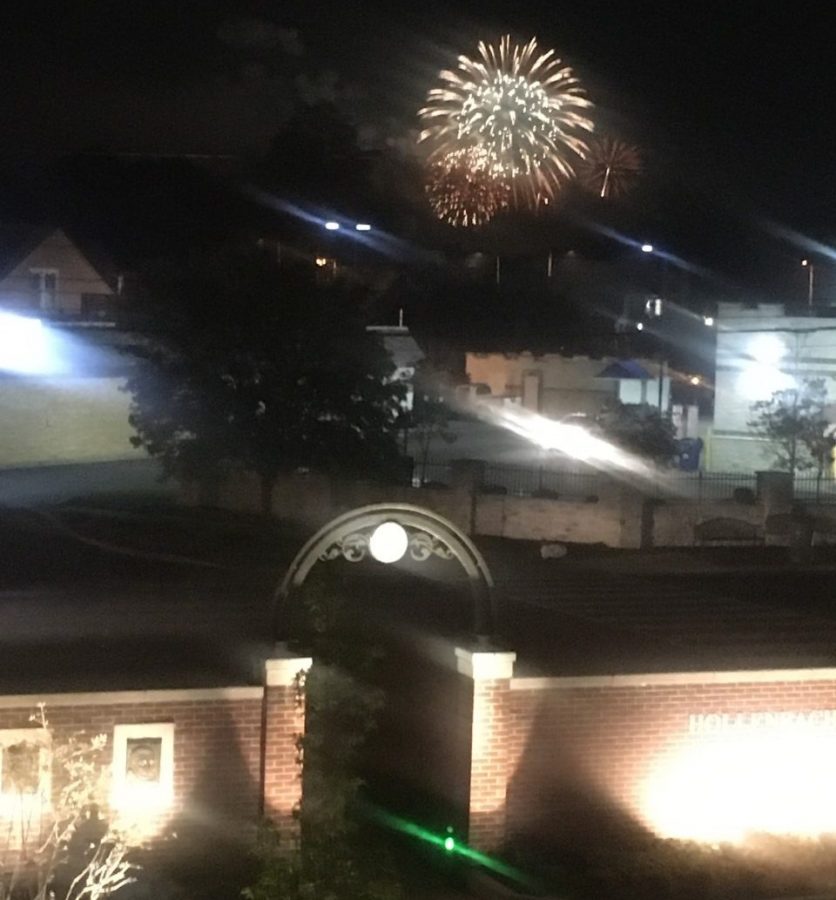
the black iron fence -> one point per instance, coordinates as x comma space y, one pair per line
708, 486
540, 482
815, 488
548, 482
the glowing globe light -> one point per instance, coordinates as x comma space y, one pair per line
388, 542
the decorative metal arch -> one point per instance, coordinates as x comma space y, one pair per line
429, 534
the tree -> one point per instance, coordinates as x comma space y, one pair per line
248, 365
639, 429
794, 423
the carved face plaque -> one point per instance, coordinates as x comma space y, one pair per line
142, 760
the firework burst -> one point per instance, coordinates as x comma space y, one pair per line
610, 168
518, 108
462, 191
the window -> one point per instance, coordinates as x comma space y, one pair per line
44, 286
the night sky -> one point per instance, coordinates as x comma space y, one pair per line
730, 102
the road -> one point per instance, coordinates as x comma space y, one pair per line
57, 484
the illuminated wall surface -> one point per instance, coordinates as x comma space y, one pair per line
707, 762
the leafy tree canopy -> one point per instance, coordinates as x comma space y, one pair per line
255, 366
794, 422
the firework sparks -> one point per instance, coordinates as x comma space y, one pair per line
610, 168
519, 108
461, 190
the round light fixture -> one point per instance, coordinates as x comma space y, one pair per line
388, 542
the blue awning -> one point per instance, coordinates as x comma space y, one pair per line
625, 368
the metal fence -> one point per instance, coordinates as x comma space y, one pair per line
540, 481
705, 486
544, 481
431, 473
815, 489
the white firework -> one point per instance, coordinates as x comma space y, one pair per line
523, 111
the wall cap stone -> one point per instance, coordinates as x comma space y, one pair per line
282, 668
485, 665
748, 676
113, 698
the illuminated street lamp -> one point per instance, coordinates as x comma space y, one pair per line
708, 321
332, 226
811, 269
362, 226
647, 248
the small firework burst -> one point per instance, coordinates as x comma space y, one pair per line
610, 168
462, 191
520, 107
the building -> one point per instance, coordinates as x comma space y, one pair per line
44, 272
760, 350
62, 377
557, 386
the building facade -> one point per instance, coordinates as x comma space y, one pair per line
557, 386
761, 350
47, 274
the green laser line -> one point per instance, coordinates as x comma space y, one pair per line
449, 844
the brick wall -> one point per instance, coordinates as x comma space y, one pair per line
234, 755
217, 742
690, 756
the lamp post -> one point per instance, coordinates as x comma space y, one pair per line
811, 270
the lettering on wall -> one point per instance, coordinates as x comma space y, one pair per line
721, 723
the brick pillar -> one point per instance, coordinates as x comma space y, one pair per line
283, 725
490, 673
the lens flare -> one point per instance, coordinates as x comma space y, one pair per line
610, 168
462, 192
520, 108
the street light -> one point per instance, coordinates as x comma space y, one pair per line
810, 279
332, 226
647, 248
362, 226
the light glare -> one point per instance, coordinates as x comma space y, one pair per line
363, 226
23, 345
647, 248
332, 226
767, 349
727, 787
